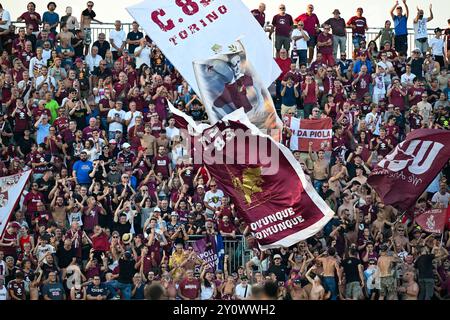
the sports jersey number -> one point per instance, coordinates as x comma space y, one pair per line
189, 7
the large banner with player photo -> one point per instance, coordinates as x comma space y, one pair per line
186, 30
11, 188
262, 177
304, 131
228, 81
411, 167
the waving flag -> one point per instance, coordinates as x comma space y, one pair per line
319, 131
186, 31
411, 167
433, 220
263, 179
11, 188
211, 250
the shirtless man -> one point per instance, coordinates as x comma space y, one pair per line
348, 204
360, 177
400, 238
87, 16
320, 167
297, 292
317, 290
65, 35
330, 268
385, 267
410, 289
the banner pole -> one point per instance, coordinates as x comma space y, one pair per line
442, 238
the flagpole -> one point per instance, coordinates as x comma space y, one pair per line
442, 238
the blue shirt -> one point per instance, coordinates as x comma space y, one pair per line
42, 132
83, 168
359, 64
289, 97
400, 25
51, 18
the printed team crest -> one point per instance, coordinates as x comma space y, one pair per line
431, 223
7, 183
249, 184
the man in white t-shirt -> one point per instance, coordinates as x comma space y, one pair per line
437, 47
420, 29
3, 290
408, 77
131, 115
243, 289
117, 39
93, 60
143, 53
5, 19
171, 131
300, 37
116, 120
213, 199
441, 198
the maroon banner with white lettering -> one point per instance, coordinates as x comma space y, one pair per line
404, 174
433, 220
317, 131
263, 179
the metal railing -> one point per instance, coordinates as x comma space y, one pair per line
371, 34
234, 248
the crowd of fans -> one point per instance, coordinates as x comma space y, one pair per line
114, 201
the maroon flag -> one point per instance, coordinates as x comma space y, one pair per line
433, 220
263, 179
404, 174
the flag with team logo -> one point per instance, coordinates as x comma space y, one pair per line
304, 131
264, 181
404, 174
433, 220
11, 188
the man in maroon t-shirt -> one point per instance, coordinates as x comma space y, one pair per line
87, 132
415, 92
161, 163
31, 201
359, 26
325, 45
282, 23
259, 14
9, 240
61, 123
311, 24
361, 82
189, 288
22, 116
227, 229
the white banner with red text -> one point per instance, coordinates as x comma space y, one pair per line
11, 187
187, 30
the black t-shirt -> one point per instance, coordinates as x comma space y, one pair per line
416, 66
126, 271
78, 50
351, 271
91, 14
424, 264
134, 36
279, 271
79, 116
25, 145
65, 256
100, 290
122, 228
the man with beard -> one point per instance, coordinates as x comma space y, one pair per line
81, 170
